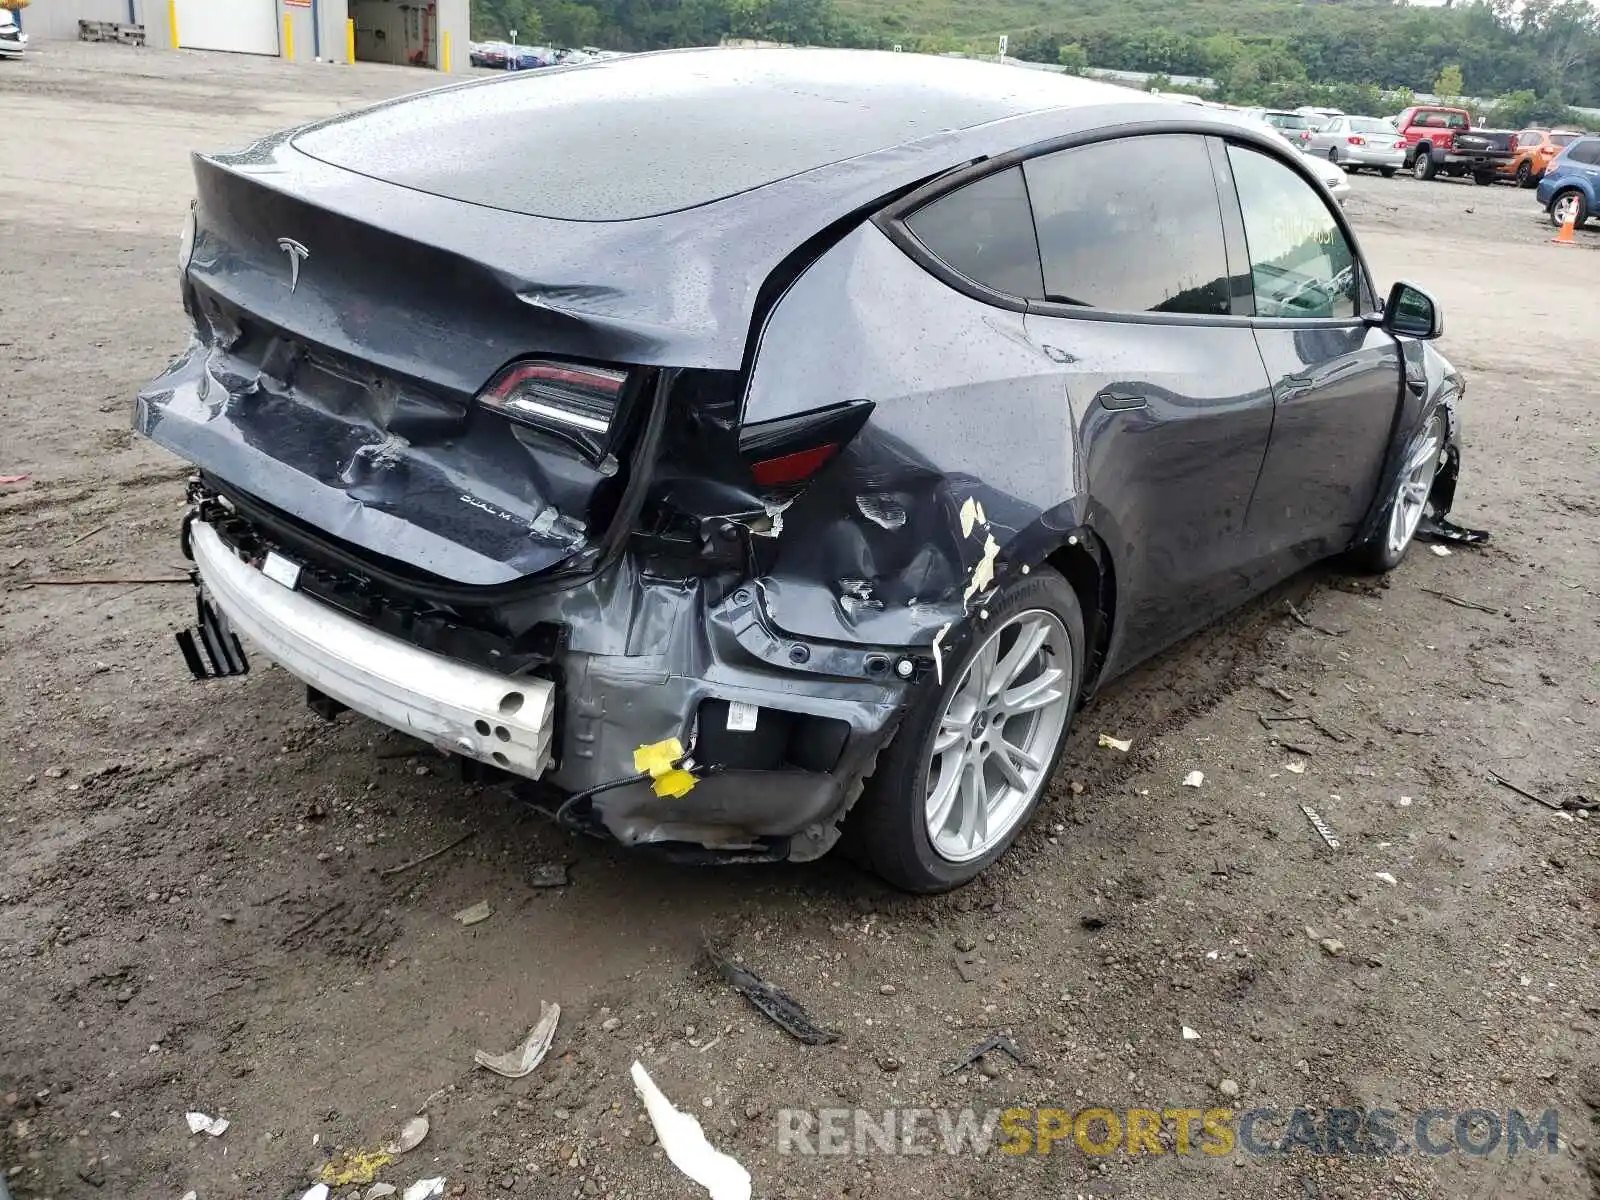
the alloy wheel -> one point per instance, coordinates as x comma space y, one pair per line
997, 735
1565, 209
1416, 481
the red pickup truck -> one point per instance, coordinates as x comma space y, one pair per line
1442, 141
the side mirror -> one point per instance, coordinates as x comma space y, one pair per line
1411, 312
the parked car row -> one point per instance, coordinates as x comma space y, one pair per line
503, 56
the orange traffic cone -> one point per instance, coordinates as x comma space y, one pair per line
1564, 238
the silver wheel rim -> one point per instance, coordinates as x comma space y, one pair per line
1566, 209
1420, 166
1416, 481
997, 735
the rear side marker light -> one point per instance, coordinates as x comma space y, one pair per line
793, 468
789, 451
572, 401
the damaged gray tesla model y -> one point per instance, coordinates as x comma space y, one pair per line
765, 447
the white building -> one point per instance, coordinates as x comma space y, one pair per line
430, 33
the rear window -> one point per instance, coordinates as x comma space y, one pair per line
1563, 139
1110, 240
985, 232
1288, 121
658, 133
1370, 125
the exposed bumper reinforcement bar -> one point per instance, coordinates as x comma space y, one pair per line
460, 709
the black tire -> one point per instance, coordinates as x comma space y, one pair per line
1333, 155
1483, 178
887, 830
1388, 172
1524, 174
1376, 555
1583, 207
1423, 166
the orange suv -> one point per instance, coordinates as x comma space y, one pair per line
1533, 152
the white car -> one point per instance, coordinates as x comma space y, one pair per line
1330, 173
12, 40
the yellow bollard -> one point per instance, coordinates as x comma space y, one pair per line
172, 21
444, 64
350, 42
288, 36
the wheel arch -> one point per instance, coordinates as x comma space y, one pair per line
1084, 560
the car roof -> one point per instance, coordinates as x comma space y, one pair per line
622, 139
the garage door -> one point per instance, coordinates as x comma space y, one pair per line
245, 26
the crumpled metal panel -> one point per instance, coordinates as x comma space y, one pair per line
902, 533
467, 501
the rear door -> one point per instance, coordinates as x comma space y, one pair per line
1335, 378
1164, 384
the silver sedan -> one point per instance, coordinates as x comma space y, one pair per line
1354, 142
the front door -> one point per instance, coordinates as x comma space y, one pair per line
1335, 379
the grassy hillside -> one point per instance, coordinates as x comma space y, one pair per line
983, 18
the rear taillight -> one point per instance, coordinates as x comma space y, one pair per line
571, 401
1355, 139
1400, 144
791, 450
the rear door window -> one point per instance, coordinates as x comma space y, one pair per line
1133, 225
1301, 263
984, 231
1585, 152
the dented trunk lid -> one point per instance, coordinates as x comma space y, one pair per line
334, 375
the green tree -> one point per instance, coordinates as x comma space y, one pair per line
1074, 59
1449, 84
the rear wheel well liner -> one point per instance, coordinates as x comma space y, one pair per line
1084, 561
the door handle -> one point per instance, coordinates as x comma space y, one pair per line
1118, 401
1295, 385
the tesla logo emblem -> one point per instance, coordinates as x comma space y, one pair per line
297, 255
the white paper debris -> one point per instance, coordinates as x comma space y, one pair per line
316, 1192
1295, 768
1405, 801
972, 515
411, 1135
191, 1196
983, 570
514, 1064
1189, 1035
422, 1189
477, 912
1385, 877
938, 654
1441, 551
1193, 779
1110, 743
685, 1142
378, 1191
200, 1123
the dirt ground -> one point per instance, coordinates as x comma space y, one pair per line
194, 913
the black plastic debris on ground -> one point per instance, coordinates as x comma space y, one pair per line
998, 1042
1442, 529
772, 1002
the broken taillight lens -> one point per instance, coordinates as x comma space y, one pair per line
791, 450
571, 401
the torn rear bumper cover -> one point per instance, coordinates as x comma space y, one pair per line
787, 750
